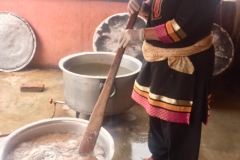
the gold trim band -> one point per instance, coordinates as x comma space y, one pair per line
178, 29
163, 98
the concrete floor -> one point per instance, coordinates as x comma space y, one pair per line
220, 139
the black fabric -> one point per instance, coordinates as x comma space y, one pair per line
195, 17
174, 141
169, 140
165, 81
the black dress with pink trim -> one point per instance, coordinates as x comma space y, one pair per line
166, 93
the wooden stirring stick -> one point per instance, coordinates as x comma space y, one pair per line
95, 122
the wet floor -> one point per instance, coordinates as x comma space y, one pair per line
220, 139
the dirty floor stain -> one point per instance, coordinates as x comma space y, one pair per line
220, 139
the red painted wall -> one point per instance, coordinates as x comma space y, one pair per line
62, 27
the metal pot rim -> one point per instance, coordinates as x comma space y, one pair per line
63, 60
25, 128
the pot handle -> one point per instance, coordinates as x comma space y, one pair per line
113, 92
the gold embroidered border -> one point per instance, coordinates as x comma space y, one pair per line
178, 29
156, 15
171, 32
163, 98
162, 104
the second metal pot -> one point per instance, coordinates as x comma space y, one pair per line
82, 91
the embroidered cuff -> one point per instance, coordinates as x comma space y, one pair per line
162, 34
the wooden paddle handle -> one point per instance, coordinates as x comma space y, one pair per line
91, 134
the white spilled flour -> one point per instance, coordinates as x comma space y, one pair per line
57, 146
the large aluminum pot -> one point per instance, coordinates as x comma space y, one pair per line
81, 92
56, 125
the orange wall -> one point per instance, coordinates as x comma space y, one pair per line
62, 27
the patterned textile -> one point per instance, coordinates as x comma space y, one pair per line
156, 5
177, 57
169, 32
177, 29
162, 110
169, 94
160, 89
165, 108
162, 34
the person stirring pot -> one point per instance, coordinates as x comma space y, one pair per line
174, 84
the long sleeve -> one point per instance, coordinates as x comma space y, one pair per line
191, 16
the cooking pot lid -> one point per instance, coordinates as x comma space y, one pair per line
106, 35
17, 42
224, 49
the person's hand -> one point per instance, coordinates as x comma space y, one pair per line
133, 6
129, 36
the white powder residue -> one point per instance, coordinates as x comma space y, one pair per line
58, 146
